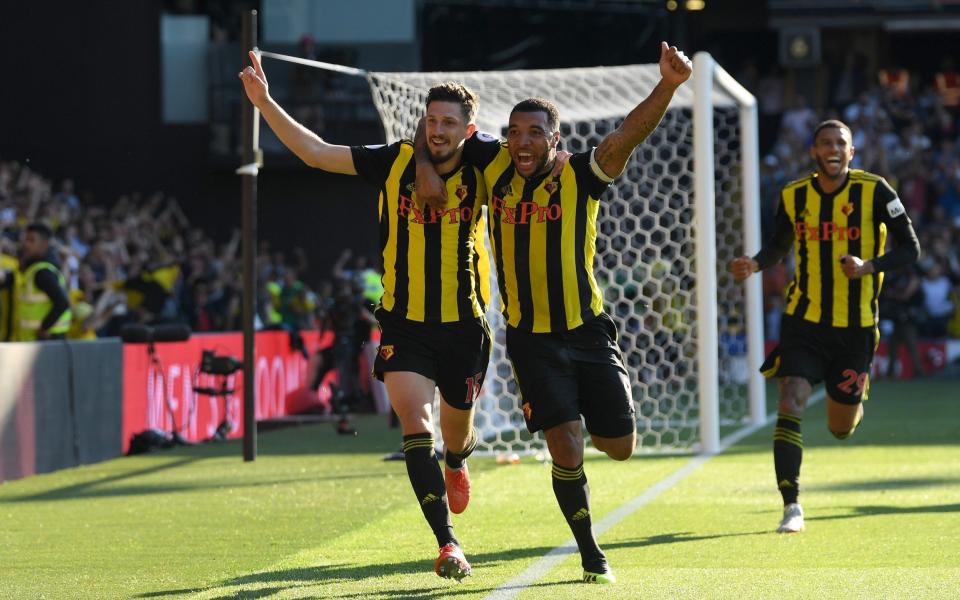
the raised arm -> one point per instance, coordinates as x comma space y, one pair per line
301, 141
614, 151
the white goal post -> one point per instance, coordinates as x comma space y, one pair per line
689, 197
706, 74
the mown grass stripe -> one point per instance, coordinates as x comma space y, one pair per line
551, 559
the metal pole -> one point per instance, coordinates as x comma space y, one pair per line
248, 178
705, 238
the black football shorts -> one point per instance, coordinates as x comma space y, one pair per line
454, 355
563, 375
839, 356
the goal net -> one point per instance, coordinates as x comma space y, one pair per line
681, 318
646, 244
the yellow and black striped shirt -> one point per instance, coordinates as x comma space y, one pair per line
432, 269
543, 232
853, 220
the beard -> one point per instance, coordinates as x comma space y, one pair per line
542, 164
437, 158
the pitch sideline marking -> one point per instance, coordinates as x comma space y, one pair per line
551, 559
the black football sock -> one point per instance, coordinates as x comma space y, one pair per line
455, 459
427, 481
787, 456
573, 495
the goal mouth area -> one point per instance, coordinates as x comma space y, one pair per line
647, 242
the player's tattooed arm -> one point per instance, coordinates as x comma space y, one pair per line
614, 151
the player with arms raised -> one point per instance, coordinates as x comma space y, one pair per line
543, 229
434, 334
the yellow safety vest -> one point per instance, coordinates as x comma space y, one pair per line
372, 286
33, 305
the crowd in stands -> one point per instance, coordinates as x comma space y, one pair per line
141, 261
906, 128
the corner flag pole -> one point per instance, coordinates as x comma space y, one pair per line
248, 177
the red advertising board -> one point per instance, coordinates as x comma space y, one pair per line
161, 393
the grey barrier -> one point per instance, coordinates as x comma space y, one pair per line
60, 405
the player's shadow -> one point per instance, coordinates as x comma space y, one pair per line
676, 538
870, 511
318, 575
885, 485
284, 579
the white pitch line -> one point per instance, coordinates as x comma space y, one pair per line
551, 559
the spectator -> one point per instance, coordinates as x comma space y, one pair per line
800, 120
9, 269
42, 305
902, 307
936, 298
948, 84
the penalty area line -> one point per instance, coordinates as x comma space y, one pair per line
551, 559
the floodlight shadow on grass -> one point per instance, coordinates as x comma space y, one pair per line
71, 493
80, 489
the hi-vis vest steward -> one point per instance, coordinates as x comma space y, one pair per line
33, 305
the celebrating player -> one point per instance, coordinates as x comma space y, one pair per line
837, 220
431, 315
562, 345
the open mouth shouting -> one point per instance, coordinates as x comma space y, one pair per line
526, 161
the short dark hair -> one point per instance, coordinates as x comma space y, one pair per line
831, 124
540, 105
452, 91
41, 229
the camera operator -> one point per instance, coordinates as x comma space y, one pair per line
350, 319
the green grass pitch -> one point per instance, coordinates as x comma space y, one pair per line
322, 516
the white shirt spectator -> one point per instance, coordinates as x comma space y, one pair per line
936, 296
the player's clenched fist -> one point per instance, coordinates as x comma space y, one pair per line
675, 67
855, 268
742, 267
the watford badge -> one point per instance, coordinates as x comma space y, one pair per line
506, 190
527, 411
461, 192
386, 352
412, 187
551, 186
847, 208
